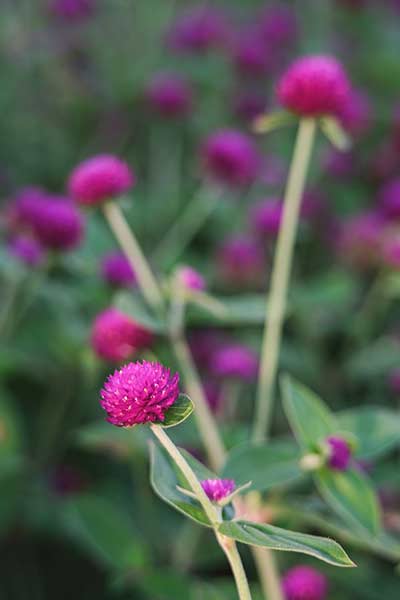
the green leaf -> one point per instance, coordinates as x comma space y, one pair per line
275, 538
274, 120
132, 305
335, 133
350, 494
244, 310
309, 418
377, 429
164, 480
181, 409
266, 466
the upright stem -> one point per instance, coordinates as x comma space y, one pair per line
268, 573
232, 553
134, 254
280, 278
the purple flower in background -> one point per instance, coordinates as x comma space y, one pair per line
391, 253
58, 224
116, 337
389, 198
198, 29
249, 104
304, 583
241, 260
338, 164
250, 54
235, 361
339, 453
26, 206
99, 179
313, 86
394, 380
312, 205
218, 489
231, 157
169, 94
138, 393
273, 171
279, 26
360, 239
116, 270
191, 279
72, 10
266, 217
26, 249
200, 343
213, 394
355, 114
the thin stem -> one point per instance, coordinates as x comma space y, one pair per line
232, 553
268, 573
134, 254
280, 278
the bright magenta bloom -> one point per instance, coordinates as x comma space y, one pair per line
230, 157
191, 279
304, 583
116, 270
169, 94
99, 179
218, 489
139, 392
57, 223
115, 336
314, 86
339, 453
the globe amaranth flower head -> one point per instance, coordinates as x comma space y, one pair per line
169, 95
339, 453
218, 489
72, 10
191, 279
138, 393
26, 249
389, 198
314, 86
116, 270
116, 337
99, 179
198, 30
304, 583
231, 158
57, 223
235, 361
241, 260
266, 217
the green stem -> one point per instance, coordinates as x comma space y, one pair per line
128, 242
232, 553
268, 573
280, 278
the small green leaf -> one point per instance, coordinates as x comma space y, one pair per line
274, 120
377, 429
165, 480
350, 494
266, 466
181, 409
310, 419
275, 538
335, 133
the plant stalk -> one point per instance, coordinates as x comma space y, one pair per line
277, 297
232, 553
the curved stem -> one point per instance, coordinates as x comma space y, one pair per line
134, 254
280, 278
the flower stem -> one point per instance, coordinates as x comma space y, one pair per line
268, 573
128, 242
232, 553
280, 278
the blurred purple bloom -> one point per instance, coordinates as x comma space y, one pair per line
279, 26
241, 260
249, 104
198, 29
236, 361
218, 489
116, 270
58, 224
339, 453
200, 343
391, 253
304, 583
169, 94
191, 279
360, 239
27, 249
394, 380
389, 198
266, 217
355, 114
339, 164
72, 10
250, 54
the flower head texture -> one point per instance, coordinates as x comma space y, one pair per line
231, 158
191, 279
198, 30
339, 453
72, 10
266, 217
139, 392
58, 224
116, 270
313, 86
235, 361
389, 198
169, 95
218, 489
116, 337
99, 179
26, 249
304, 583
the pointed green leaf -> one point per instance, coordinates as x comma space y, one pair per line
274, 120
164, 480
181, 409
377, 429
309, 418
351, 495
335, 133
275, 538
266, 466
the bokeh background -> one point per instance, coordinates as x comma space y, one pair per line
83, 77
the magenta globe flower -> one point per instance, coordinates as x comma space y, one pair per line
304, 583
389, 198
198, 30
58, 224
339, 456
231, 158
26, 249
235, 361
116, 270
116, 337
191, 279
139, 393
218, 489
169, 95
314, 86
266, 217
72, 10
99, 179
241, 260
